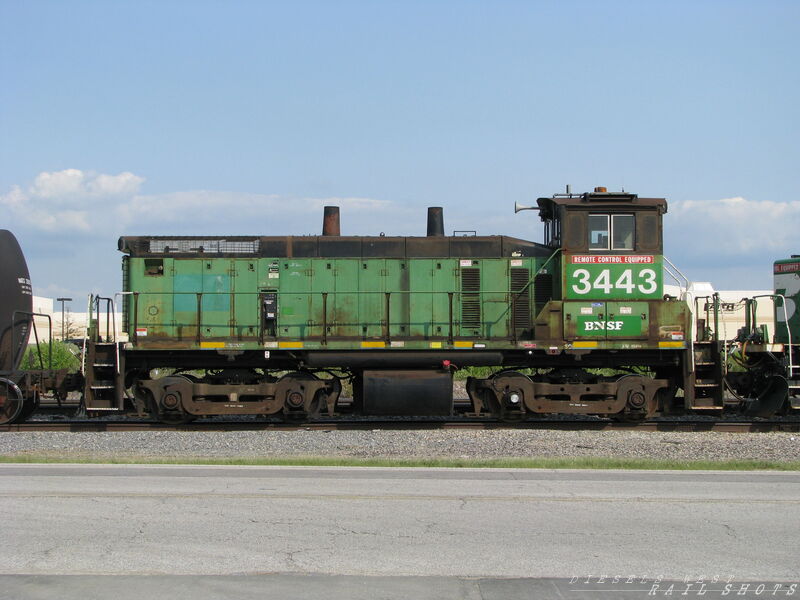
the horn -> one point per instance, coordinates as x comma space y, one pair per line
518, 207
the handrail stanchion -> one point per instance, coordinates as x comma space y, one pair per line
199, 315
450, 315
388, 330
324, 318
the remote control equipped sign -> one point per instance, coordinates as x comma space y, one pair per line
614, 277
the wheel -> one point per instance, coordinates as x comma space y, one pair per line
508, 401
297, 404
640, 402
170, 405
11, 402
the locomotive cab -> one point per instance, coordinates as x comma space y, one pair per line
602, 222
610, 276
615, 344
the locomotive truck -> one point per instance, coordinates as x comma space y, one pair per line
273, 325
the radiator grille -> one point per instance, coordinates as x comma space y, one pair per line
127, 297
470, 298
522, 301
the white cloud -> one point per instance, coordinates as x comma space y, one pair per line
203, 212
58, 184
731, 241
124, 184
734, 226
65, 200
74, 201
74, 184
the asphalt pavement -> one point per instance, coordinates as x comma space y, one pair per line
223, 532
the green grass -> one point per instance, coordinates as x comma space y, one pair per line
517, 463
63, 357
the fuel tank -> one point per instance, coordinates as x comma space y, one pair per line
15, 295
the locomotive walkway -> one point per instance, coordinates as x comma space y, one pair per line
272, 532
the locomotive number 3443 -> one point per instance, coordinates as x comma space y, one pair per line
644, 281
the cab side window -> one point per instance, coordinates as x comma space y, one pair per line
622, 228
598, 232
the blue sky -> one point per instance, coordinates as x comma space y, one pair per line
247, 117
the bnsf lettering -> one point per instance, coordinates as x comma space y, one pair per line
603, 326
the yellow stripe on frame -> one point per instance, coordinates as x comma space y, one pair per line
584, 344
373, 344
671, 345
212, 345
436, 344
290, 345
462, 344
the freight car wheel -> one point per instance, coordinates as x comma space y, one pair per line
11, 402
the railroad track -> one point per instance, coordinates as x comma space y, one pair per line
664, 425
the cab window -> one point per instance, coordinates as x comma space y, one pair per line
622, 232
598, 232
611, 232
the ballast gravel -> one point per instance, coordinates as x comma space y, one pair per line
401, 444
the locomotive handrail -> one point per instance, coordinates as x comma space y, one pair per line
385, 322
35, 335
111, 325
516, 294
86, 335
111, 317
135, 297
792, 366
677, 272
716, 304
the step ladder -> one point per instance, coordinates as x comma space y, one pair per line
104, 387
705, 384
103, 368
793, 372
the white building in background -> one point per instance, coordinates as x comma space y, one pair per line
74, 320
732, 307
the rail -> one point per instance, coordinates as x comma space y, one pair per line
558, 424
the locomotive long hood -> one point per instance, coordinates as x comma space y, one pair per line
333, 247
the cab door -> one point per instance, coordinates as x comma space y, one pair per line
244, 302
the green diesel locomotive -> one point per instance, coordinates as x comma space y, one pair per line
577, 324
255, 325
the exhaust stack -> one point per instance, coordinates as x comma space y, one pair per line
435, 221
330, 221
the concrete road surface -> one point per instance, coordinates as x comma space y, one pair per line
415, 533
